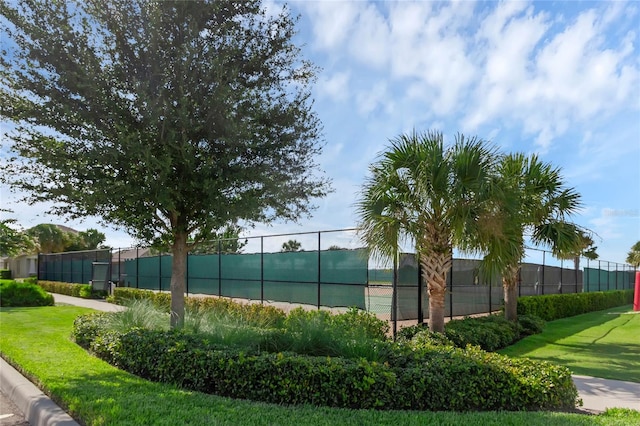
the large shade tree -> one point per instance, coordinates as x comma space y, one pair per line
436, 196
537, 204
170, 119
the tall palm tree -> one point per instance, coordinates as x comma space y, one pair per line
633, 257
432, 195
537, 203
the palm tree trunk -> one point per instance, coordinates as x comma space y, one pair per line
178, 276
510, 287
434, 272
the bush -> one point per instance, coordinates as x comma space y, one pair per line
491, 332
84, 291
5, 274
254, 314
23, 294
555, 306
434, 378
530, 324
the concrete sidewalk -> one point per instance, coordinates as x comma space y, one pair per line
597, 394
600, 394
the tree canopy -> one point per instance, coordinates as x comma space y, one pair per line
13, 240
435, 195
536, 201
291, 245
170, 119
633, 257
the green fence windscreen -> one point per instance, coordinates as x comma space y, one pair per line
287, 277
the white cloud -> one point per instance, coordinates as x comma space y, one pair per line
336, 86
332, 21
369, 41
547, 80
373, 98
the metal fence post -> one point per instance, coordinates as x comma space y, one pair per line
187, 274
160, 272
319, 270
576, 275
137, 267
219, 268
420, 307
543, 263
608, 276
450, 290
490, 298
262, 270
394, 295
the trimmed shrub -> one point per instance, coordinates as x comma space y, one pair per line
491, 332
84, 291
23, 294
5, 274
555, 306
530, 324
434, 378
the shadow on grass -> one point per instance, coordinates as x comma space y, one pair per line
606, 360
563, 328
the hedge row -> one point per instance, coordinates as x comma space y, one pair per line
5, 274
72, 289
13, 293
255, 314
555, 306
491, 332
427, 378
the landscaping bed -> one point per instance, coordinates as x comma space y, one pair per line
325, 360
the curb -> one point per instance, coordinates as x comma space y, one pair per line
38, 408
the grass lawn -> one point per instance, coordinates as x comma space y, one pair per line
602, 344
36, 340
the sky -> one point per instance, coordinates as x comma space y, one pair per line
560, 79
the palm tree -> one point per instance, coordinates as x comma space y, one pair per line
536, 202
633, 257
585, 248
437, 197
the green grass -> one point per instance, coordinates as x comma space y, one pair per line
36, 340
600, 344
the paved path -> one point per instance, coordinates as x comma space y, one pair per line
597, 394
600, 394
10, 415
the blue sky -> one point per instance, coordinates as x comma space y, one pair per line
561, 79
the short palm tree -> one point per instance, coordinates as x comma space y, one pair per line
537, 203
435, 196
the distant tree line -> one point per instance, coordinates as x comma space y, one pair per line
46, 238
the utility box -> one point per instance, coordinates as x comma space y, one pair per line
100, 275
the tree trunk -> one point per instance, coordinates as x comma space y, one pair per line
178, 276
510, 287
434, 272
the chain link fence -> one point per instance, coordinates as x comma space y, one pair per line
331, 269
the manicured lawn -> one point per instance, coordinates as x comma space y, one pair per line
37, 341
602, 344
